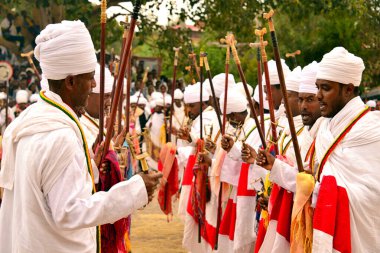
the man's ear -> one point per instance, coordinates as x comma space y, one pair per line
69, 82
349, 90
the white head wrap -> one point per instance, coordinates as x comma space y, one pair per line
273, 75
108, 80
22, 96
240, 87
178, 94
207, 87
256, 97
192, 94
159, 101
65, 49
3, 95
219, 82
236, 102
371, 103
133, 99
34, 98
156, 95
152, 104
142, 100
293, 80
308, 78
341, 66
44, 83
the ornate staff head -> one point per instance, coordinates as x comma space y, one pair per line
176, 53
268, 16
28, 56
294, 54
263, 44
103, 14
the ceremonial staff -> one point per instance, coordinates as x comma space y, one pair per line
216, 104
128, 95
30, 60
260, 84
293, 56
176, 52
264, 59
289, 114
103, 20
123, 65
242, 77
226, 69
145, 77
193, 57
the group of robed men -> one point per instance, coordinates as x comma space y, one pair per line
267, 205
248, 188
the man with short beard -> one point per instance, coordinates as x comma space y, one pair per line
346, 215
49, 202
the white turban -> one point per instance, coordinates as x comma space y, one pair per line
44, 83
65, 49
152, 104
133, 99
178, 94
240, 87
207, 86
108, 80
156, 95
22, 97
3, 95
142, 100
341, 66
256, 97
219, 82
159, 101
168, 99
371, 103
308, 79
293, 80
34, 98
273, 75
192, 94
236, 102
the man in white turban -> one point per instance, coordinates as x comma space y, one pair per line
179, 111
347, 190
22, 102
48, 203
11, 116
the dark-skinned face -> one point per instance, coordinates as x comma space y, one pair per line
276, 96
178, 102
158, 109
81, 89
94, 104
193, 110
163, 89
293, 102
237, 119
309, 108
333, 96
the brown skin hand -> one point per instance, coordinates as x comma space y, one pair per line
309, 108
74, 90
333, 96
93, 105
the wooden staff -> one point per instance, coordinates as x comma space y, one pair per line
176, 53
216, 105
31, 63
124, 60
193, 57
289, 113
103, 20
242, 77
145, 77
260, 84
128, 95
264, 59
293, 56
226, 69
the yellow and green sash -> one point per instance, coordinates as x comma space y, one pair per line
85, 147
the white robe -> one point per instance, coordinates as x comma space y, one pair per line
355, 164
48, 205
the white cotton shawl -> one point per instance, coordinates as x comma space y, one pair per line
37, 118
355, 164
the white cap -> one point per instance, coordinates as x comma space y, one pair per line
22, 97
192, 94
219, 82
308, 79
108, 80
34, 98
273, 75
293, 80
65, 49
341, 66
178, 94
371, 103
236, 102
256, 97
240, 87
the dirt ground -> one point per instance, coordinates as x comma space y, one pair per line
151, 233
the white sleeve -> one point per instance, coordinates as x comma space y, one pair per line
284, 175
315, 194
73, 207
235, 152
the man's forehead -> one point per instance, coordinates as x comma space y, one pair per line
306, 95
